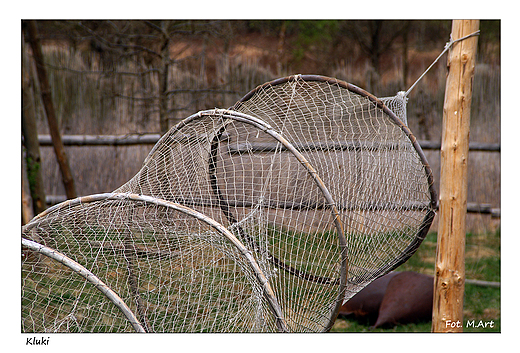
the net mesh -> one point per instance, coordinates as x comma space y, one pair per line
263, 217
377, 176
175, 272
397, 104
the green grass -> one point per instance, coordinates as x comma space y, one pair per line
481, 304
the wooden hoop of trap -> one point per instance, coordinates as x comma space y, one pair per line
147, 200
430, 206
316, 183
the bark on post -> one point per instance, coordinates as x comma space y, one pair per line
45, 89
449, 266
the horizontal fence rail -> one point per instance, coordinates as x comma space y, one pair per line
102, 140
473, 146
471, 208
151, 139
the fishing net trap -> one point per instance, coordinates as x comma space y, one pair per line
264, 217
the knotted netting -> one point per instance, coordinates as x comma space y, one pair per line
173, 269
263, 217
370, 162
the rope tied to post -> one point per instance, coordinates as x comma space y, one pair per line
446, 48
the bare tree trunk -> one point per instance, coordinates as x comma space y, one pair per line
33, 193
27, 210
405, 55
163, 98
163, 81
61, 157
280, 64
375, 54
32, 154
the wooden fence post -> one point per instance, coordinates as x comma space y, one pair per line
449, 266
45, 89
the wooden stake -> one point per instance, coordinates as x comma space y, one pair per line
45, 89
449, 267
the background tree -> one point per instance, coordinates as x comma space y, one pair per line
375, 37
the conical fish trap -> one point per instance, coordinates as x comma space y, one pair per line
263, 217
